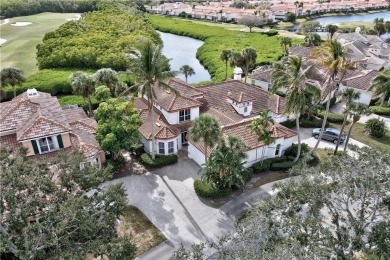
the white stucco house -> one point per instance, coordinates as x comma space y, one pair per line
233, 103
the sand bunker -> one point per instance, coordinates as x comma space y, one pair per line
2, 41
21, 23
5, 21
74, 18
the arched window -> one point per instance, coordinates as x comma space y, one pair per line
277, 150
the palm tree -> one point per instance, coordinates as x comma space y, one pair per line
285, 42
236, 59
331, 55
348, 96
381, 85
379, 26
356, 111
83, 85
312, 39
187, 71
207, 128
296, 3
152, 70
13, 77
332, 29
290, 73
260, 126
225, 57
107, 77
249, 56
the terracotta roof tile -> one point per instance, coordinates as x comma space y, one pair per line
360, 81
40, 127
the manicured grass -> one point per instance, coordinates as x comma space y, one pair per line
218, 38
144, 234
20, 48
360, 135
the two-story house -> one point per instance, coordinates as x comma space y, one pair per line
233, 103
35, 120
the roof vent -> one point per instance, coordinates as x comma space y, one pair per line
158, 124
32, 93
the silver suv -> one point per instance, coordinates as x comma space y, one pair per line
330, 134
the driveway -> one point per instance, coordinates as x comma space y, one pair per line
167, 197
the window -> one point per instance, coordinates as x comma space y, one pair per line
277, 151
185, 115
170, 147
47, 144
253, 82
269, 86
245, 109
161, 148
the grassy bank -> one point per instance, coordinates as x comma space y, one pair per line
217, 39
20, 48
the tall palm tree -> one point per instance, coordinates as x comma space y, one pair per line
331, 29
83, 85
285, 42
249, 56
356, 111
290, 73
187, 70
152, 69
13, 77
331, 55
260, 126
236, 59
207, 128
348, 96
381, 85
107, 77
225, 57
296, 3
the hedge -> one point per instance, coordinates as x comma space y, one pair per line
385, 111
293, 150
263, 166
312, 123
332, 117
288, 123
160, 161
282, 166
218, 39
207, 190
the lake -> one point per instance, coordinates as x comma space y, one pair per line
182, 51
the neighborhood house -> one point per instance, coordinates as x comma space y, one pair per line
35, 120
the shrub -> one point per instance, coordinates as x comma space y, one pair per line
282, 166
280, 159
138, 150
207, 190
380, 110
270, 33
117, 164
332, 117
293, 150
160, 161
263, 166
77, 100
248, 174
375, 127
312, 123
288, 123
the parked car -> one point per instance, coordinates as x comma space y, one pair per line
330, 134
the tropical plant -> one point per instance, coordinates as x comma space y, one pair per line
285, 42
355, 112
331, 55
13, 77
381, 85
225, 57
83, 85
102, 93
225, 168
107, 77
205, 128
152, 69
290, 73
187, 70
379, 26
331, 29
249, 56
262, 127
312, 39
375, 127
236, 59
349, 96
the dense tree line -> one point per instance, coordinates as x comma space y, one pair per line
100, 39
12, 8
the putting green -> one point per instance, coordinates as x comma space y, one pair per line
20, 49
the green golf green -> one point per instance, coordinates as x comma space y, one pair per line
19, 50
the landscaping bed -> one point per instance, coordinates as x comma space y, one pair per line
384, 111
144, 235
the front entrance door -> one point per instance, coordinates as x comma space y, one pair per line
183, 138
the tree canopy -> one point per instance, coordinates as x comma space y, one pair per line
58, 212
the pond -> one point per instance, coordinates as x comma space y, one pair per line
182, 51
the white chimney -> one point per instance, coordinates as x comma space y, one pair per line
32, 93
237, 73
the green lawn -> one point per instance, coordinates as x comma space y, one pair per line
20, 48
360, 135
